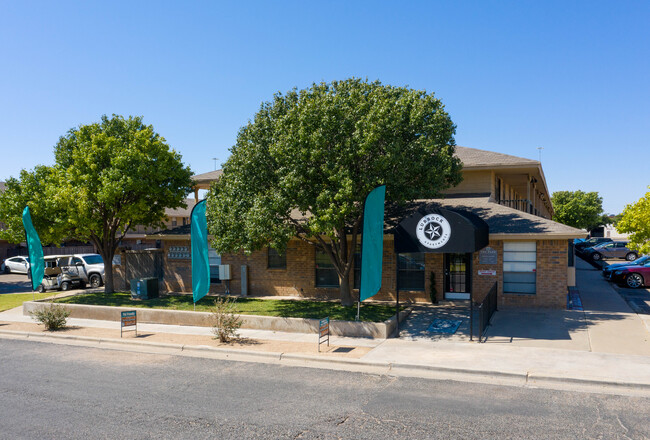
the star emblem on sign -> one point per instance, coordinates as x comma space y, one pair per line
432, 231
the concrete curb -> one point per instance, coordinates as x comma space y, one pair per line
521, 379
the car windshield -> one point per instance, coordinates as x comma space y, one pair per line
93, 259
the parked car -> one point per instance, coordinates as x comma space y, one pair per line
88, 267
15, 264
57, 275
594, 241
633, 276
615, 249
608, 270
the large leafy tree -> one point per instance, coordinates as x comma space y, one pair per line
108, 177
635, 221
304, 165
583, 210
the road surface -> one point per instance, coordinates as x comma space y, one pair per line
67, 392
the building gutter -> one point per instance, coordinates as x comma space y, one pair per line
538, 236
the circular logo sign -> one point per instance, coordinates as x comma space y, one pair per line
433, 231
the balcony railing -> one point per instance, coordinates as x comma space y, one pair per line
521, 205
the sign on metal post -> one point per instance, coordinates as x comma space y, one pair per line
324, 332
129, 319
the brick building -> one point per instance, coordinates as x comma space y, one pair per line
528, 255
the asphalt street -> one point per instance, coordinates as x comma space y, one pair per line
67, 392
14, 283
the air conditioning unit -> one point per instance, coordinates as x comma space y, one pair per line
224, 272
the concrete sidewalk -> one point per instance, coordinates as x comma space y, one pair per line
472, 362
607, 324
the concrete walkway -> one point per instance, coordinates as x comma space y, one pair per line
607, 324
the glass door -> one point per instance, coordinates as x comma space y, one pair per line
457, 279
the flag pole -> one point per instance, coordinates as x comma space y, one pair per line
31, 274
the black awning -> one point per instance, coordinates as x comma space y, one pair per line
436, 229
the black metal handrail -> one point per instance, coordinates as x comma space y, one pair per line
485, 310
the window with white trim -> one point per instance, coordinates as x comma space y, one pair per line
215, 260
520, 267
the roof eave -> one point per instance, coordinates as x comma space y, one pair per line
538, 236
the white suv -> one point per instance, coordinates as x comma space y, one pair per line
89, 267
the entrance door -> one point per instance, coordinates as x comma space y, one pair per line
457, 276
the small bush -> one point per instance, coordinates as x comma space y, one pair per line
54, 317
224, 321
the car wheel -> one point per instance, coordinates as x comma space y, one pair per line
65, 286
40, 289
596, 256
631, 256
634, 280
95, 281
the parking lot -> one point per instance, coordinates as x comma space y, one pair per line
14, 283
637, 299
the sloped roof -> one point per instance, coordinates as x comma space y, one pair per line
470, 157
181, 212
207, 177
475, 158
504, 222
179, 231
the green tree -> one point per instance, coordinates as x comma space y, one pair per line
578, 209
108, 177
635, 220
304, 165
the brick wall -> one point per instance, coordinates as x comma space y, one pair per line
551, 278
298, 279
481, 284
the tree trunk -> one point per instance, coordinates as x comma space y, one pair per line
344, 289
107, 254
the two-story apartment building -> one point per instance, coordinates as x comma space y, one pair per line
528, 256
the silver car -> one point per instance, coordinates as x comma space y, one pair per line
615, 249
16, 265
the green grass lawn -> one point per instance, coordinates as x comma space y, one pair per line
245, 306
11, 300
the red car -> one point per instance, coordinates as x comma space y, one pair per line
633, 276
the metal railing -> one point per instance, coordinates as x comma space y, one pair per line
485, 310
524, 205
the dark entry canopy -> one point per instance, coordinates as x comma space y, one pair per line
436, 229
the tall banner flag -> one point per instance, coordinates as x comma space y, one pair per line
35, 250
372, 243
200, 261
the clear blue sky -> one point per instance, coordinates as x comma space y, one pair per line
571, 77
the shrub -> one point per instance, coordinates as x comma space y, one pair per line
224, 321
54, 317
